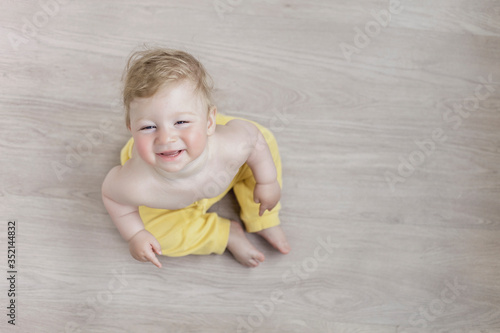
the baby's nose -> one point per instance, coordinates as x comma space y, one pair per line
167, 136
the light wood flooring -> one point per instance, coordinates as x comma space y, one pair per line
389, 132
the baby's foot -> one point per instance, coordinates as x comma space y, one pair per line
276, 237
241, 248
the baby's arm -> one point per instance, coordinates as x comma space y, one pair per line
142, 243
267, 190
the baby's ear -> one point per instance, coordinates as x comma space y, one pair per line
211, 124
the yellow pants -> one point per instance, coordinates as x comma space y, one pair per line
191, 230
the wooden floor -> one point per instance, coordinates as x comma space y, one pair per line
389, 130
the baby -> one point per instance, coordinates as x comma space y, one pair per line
182, 158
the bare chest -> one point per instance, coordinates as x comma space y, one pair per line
181, 193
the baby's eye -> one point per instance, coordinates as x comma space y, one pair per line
182, 122
147, 127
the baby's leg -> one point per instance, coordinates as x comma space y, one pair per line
187, 231
267, 225
276, 237
241, 248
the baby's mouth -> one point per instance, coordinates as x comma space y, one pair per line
171, 153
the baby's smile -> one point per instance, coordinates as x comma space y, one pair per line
170, 155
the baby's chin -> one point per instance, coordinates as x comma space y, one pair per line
175, 168
172, 169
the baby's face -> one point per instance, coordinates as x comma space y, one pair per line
171, 128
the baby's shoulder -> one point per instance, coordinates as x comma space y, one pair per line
237, 131
236, 140
240, 124
121, 185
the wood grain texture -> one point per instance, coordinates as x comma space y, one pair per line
377, 245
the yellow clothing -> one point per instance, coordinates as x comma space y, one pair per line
191, 230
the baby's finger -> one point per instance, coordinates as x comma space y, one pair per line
157, 248
151, 257
156, 262
262, 209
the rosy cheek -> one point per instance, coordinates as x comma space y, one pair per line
197, 140
142, 146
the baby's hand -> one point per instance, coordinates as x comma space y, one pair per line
143, 246
268, 195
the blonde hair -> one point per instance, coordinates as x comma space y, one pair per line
149, 70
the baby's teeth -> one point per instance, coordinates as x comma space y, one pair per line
171, 154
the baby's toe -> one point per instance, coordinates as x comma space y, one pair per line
256, 258
253, 263
283, 247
